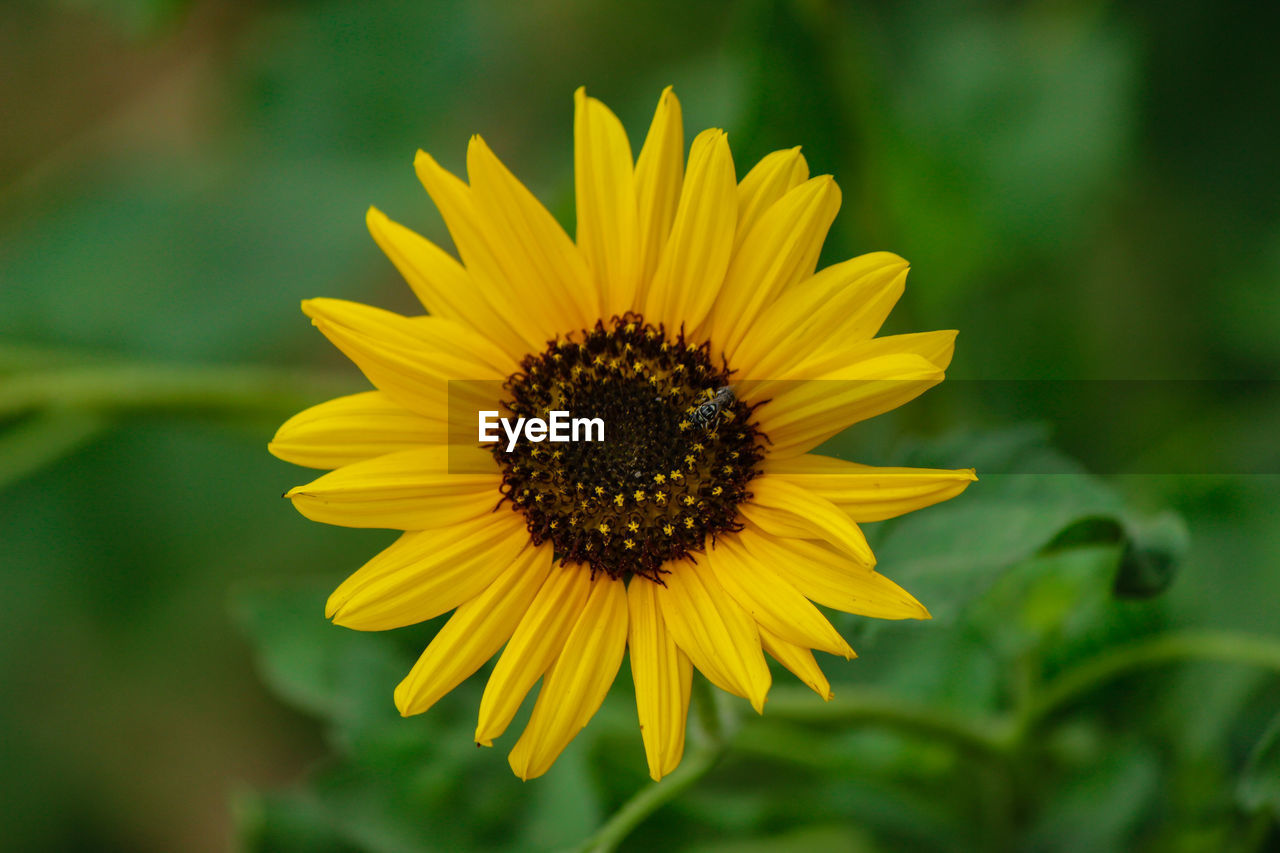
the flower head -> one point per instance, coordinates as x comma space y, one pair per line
687, 317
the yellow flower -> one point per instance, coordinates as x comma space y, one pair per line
682, 281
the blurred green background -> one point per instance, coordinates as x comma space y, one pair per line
1087, 190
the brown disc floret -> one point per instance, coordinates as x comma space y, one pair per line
664, 478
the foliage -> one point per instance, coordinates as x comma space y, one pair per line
971, 731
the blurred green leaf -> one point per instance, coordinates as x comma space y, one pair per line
285, 822
342, 676
1152, 555
1047, 601
1099, 805
949, 555
1260, 784
41, 439
1152, 549
565, 808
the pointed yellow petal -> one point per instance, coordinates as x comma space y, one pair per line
868, 493
720, 638
412, 359
465, 354
831, 578
605, 188
783, 509
578, 682
799, 661
771, 601
534, 646
534, 320
529, 245
844, 303
934, 347
663, 677
408, 490
428, 572
351, 429
768, 181
781, 249
443, 285
659, 175
474, 633
805, 411
696, 256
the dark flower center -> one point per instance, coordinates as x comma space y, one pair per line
678, 448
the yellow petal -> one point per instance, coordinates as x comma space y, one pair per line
408, 490
579, 680
412, 359
720, 638
533, 319
799, 660
868, 493
844, 303
783, 509
771, 601
768, 181
530, 246
443, 286
781, 249
831, 578
696, 256
663, 677
934, 347
802, 413
534, 646
659, 175
474, 633
464, 354
605, 188
428, 572
351, 429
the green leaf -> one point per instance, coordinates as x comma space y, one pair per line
565, 806
283, 823
1153, 552
1260, 784
1152, 549
1047, 600
1100, 806
949, 555
344, 677
44, 438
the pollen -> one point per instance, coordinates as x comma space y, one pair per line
643, 383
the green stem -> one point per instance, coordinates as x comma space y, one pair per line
708, 736
869, 708
1167, 648
715, 721
995, 739
116, 388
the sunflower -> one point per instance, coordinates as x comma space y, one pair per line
687, 315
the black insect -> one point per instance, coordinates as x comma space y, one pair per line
707, 414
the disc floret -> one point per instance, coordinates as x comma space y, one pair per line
662, 481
